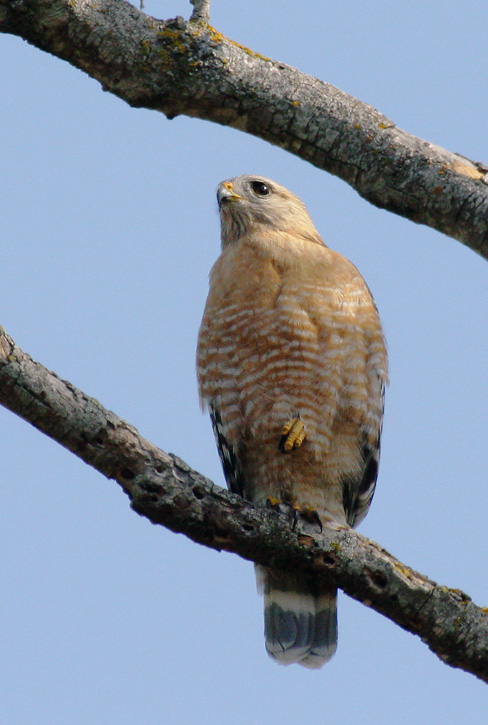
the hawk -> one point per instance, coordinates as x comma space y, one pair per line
292, 366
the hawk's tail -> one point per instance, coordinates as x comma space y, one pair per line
300, 617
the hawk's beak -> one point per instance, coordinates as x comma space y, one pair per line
225, 192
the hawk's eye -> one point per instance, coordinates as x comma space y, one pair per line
260, 188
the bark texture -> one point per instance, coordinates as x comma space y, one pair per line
167, 491
188, 67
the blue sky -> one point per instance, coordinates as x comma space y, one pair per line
109, 230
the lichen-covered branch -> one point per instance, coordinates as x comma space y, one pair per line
180, 67
165, 490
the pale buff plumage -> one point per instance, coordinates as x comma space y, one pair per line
290, 334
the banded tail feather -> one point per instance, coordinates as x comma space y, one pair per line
300, 617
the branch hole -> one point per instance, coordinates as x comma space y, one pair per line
379, 580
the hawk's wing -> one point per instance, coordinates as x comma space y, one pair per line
357, 493
228, 454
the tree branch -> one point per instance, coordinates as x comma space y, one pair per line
180, 67
167, 491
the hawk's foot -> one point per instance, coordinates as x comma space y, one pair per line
292, 435
273, 503
308, 513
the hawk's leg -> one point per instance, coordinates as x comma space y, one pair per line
292, 435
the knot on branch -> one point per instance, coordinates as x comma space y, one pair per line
201, 11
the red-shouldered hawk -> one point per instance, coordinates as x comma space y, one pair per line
292, 365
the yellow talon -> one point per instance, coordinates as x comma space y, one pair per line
272, 502
292, 435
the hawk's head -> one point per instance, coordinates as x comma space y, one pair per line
251, 204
